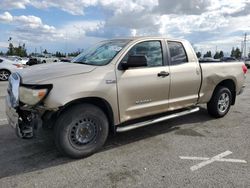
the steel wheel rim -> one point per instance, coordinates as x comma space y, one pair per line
83, 132
4, 75
223, 102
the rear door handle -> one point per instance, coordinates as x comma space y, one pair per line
163, 74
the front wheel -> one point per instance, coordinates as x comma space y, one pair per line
4, 75
81, 130
220, 102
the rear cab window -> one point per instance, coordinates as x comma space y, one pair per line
177, 52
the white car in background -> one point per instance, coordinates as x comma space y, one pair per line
17, 59
46, 58
7, 67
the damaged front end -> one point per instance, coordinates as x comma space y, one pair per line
22, 106
28, 123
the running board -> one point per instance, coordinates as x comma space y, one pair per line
157, 120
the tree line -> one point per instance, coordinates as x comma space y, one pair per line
235, 52
21, 51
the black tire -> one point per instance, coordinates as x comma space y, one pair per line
4, 75
216, 107
81, 130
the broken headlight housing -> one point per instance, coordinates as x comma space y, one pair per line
33, 94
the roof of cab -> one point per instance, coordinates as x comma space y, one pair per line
148, 38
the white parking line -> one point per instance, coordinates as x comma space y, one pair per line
195, 158
3, 121
207, 160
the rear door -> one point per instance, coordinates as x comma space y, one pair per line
185, 76
141, 91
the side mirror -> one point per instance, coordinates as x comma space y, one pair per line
135, 61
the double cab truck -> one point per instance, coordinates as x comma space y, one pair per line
116, 86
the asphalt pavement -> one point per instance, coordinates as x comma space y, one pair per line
191, 151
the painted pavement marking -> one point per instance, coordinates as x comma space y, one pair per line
3, 121
207, 161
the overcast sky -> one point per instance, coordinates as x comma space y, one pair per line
68, 25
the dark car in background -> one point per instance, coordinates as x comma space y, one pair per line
228, 59
208, 60
247, 63
32, 61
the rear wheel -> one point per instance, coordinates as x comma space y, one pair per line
81, 130
220, 102
4, 75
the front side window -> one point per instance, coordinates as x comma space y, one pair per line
177, 53
101, 54
151, 49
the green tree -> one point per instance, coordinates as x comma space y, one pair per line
232, 52
10, 49
236, 53
1, 53
73, 54
45, 51
18, 51
198, 54
218, 55
249, 55
59, 54
221, 54
24, 51
208, 54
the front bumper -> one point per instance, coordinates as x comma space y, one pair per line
12, 115
24, 121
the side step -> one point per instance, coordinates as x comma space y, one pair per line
157, 120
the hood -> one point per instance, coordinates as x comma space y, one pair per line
44, 72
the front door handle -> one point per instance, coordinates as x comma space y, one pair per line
163, 74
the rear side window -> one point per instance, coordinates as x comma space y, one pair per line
151, 49
177, 53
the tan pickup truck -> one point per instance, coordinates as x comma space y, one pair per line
118, 85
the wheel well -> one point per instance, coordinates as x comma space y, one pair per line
6, 70
231, 86
99, 102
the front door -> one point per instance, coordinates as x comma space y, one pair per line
143, 91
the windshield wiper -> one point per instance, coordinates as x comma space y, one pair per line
81, 62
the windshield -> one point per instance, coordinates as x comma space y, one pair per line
101, 54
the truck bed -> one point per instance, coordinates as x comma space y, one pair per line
215, 72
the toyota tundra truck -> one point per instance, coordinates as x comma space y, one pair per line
116, 86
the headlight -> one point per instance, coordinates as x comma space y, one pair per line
33, 94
